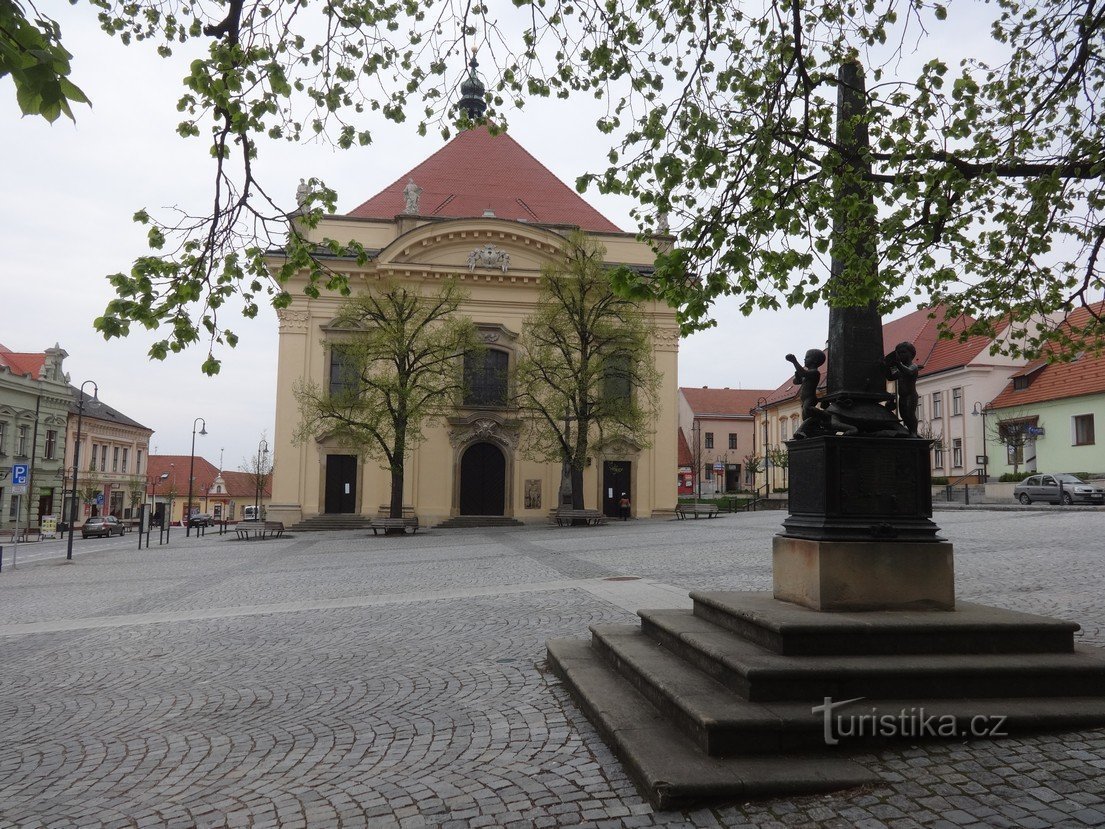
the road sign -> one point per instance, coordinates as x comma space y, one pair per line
99, 499
19, 474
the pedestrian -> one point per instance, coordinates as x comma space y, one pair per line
623, 507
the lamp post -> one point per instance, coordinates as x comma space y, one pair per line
192, 468
980, 409
77, 462
262, 453
761, 407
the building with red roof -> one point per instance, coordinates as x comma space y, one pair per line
221, 493
1049, 412
484, 212
721, 426
960, 376
34, 406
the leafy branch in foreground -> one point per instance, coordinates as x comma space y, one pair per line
32, 54
986, 170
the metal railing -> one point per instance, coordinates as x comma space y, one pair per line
951, 485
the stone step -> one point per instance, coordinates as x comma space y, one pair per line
469, 521
787, 628
667, 765
760, 675
722, 723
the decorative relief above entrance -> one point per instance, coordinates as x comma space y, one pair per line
465, 430
489, 256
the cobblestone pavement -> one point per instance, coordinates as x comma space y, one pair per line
347, 681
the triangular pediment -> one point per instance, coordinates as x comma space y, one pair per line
477, 246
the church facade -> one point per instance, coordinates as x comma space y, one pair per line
484, 212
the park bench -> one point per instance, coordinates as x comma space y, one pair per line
695, 510
395, 524
571, 517
248, 530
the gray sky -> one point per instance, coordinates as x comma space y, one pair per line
69, 192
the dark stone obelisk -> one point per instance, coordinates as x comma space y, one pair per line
855, 381
859, 534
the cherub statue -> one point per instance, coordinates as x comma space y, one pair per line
900, 368
808, 376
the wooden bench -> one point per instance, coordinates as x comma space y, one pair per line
248, 530
695, 510
570, 517
395, 524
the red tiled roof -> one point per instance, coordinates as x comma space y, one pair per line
686, 457
705, 402
476, 172
177, 467
244, 484
1058, 381
22, 363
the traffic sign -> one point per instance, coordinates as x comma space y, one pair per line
19, 474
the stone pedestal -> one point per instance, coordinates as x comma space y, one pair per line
863, 575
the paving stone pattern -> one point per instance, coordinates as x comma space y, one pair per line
339, 680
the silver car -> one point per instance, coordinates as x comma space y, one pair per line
1058, 489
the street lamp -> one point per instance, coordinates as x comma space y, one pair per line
77, 461
263, 445
980, 409
191, 469
761, 407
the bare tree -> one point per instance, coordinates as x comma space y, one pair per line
397, 366
586, 371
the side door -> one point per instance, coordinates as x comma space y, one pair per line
1048, 489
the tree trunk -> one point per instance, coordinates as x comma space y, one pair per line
395, 509
577, 488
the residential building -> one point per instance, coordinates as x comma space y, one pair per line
720, 429
486, 213
1049, 414
114, 453
958, 379
34, 404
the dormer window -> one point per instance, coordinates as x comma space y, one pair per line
1020, 383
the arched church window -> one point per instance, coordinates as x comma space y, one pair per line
485, 378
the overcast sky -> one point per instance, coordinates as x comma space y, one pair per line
69, 192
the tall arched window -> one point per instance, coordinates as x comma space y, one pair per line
485, 378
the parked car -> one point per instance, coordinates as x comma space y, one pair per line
201, 519
103, 526
1058, 489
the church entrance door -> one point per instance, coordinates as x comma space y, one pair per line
615, 481
341, 483
482, 480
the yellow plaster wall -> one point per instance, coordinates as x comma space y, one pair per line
426, 252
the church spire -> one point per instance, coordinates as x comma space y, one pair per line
472, 91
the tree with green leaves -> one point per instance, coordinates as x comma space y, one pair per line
585, 373
397, 366
31, 54
780, 459
136, 491
90, 485
986, 170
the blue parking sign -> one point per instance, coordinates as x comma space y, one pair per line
19, 474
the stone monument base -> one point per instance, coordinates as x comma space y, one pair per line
863, 575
